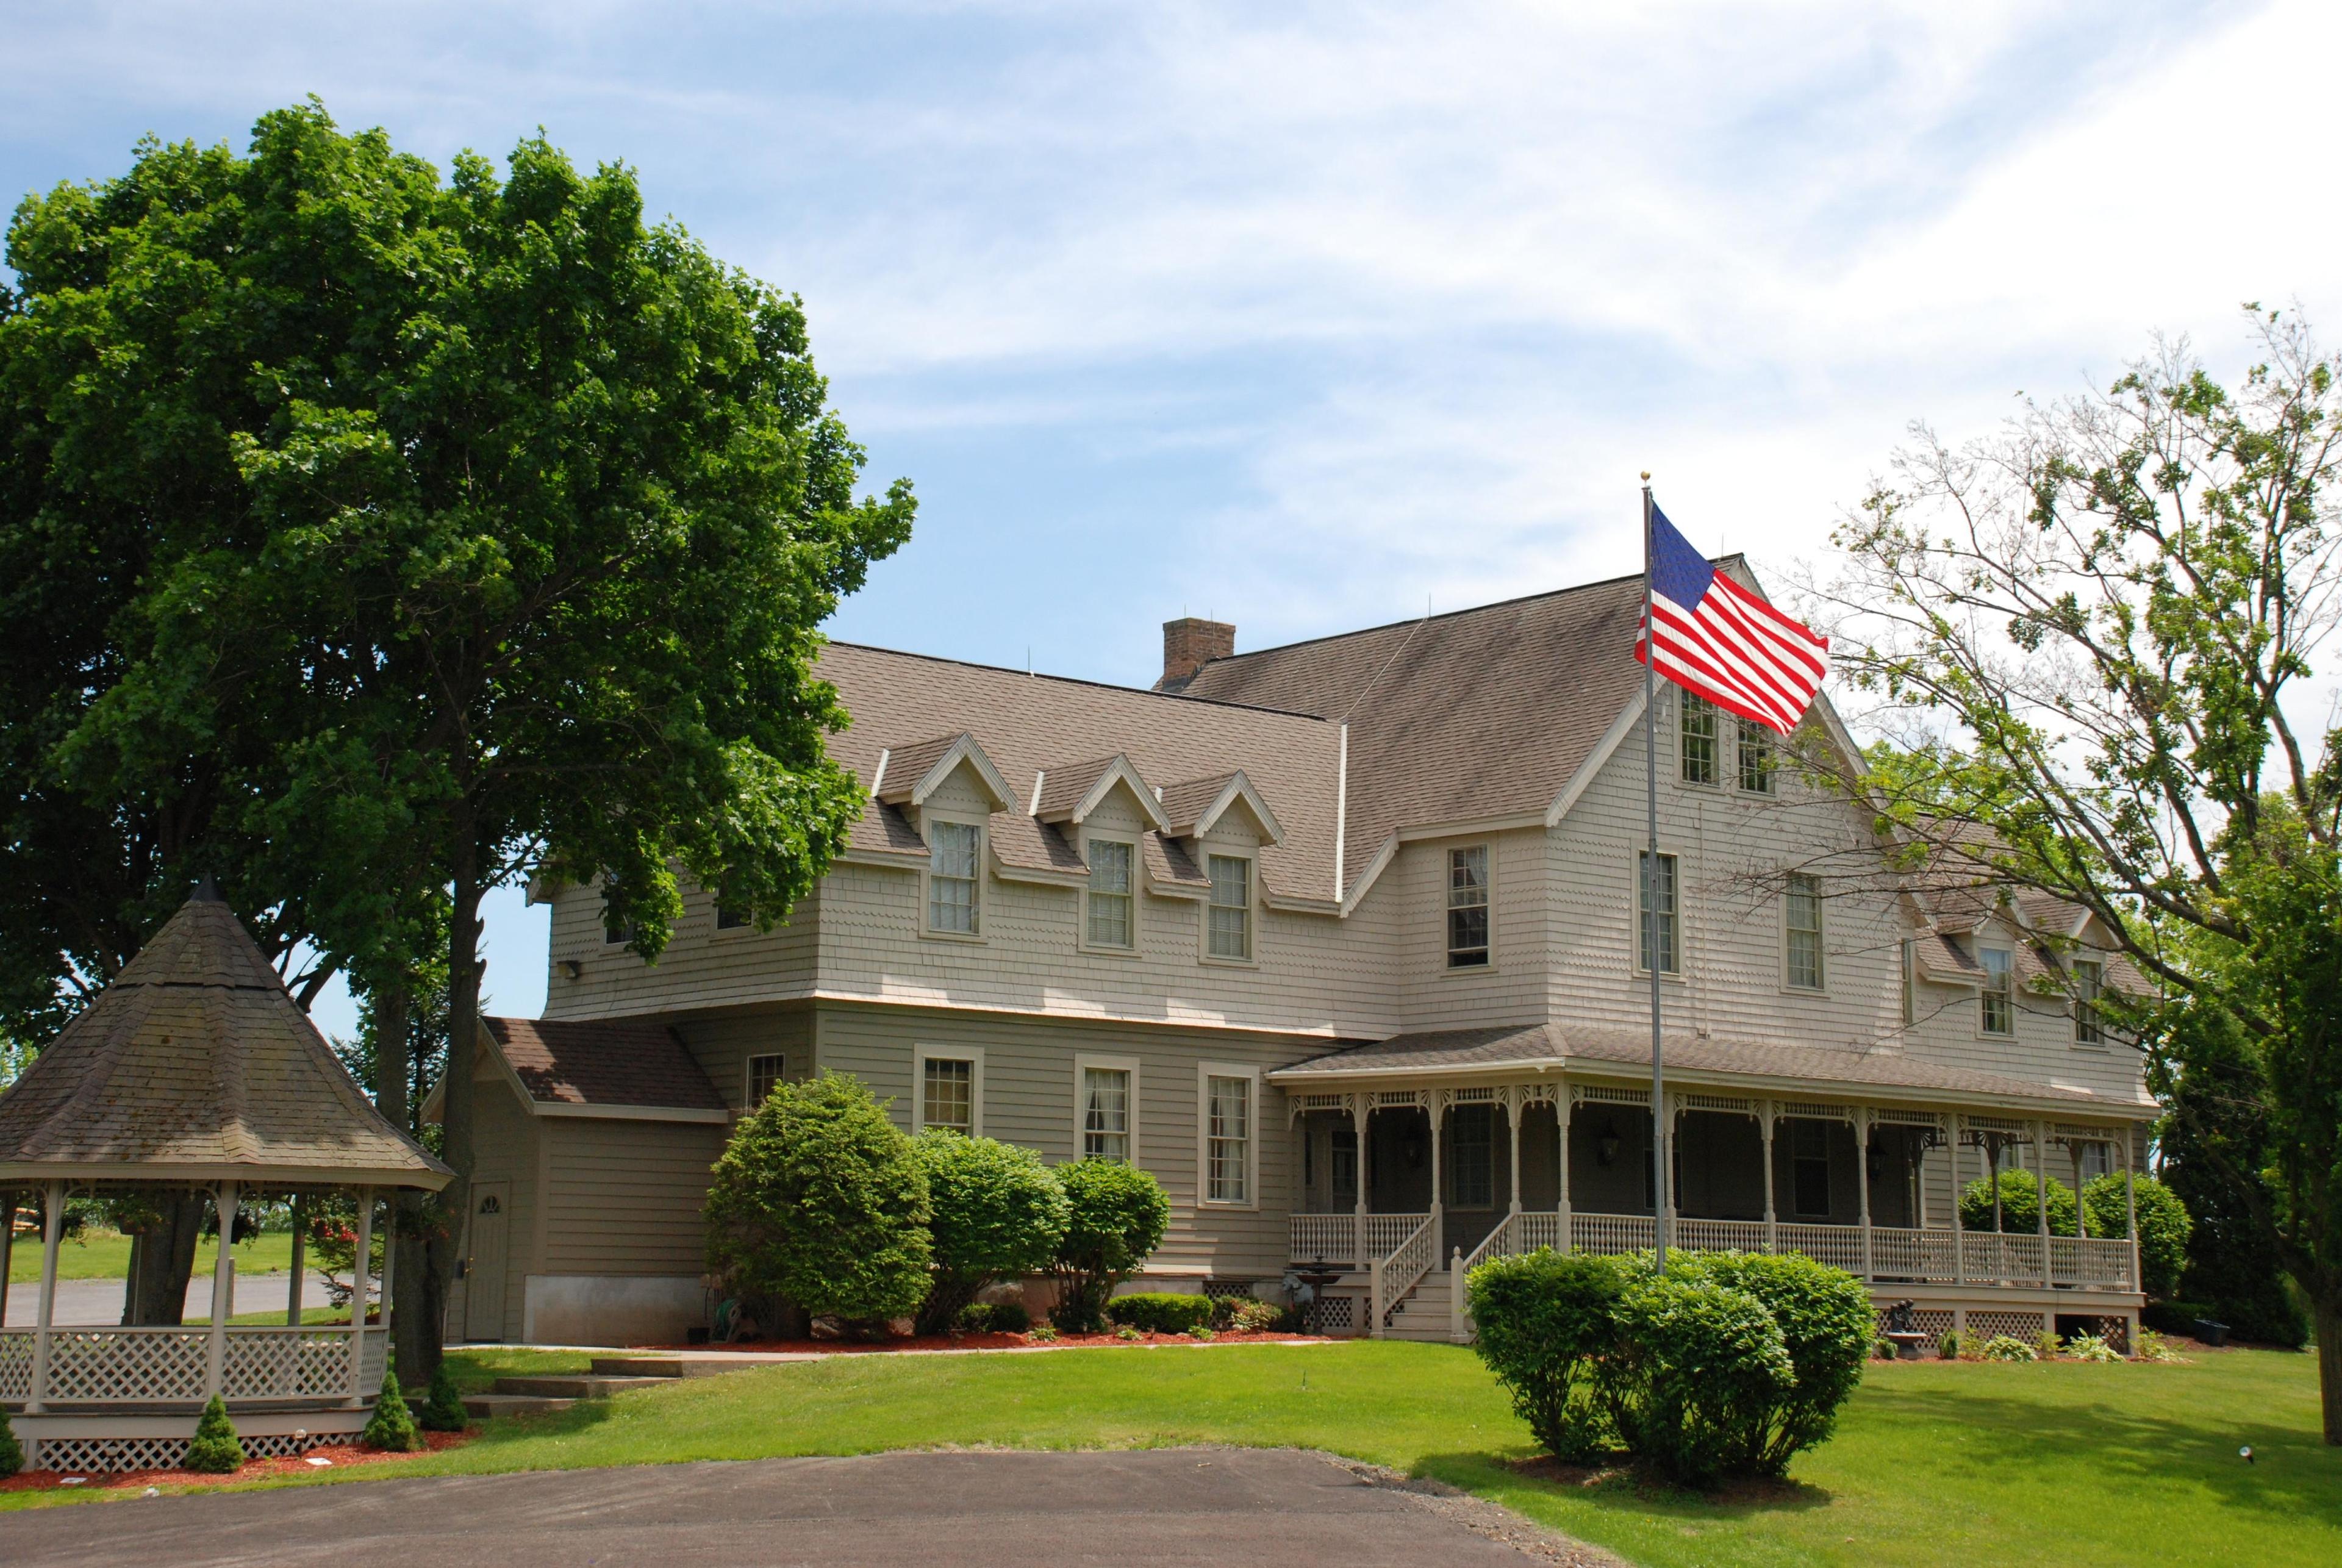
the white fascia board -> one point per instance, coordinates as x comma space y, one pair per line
964, 750
1364, 884
1240, 788
1120, 771
1579, 782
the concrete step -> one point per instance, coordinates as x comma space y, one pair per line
488, 1406
575, 1386
666, 1366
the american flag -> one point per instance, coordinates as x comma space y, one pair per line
1719, 641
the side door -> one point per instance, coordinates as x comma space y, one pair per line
483, 1277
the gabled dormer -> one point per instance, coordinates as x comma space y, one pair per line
947, 790
1194, 809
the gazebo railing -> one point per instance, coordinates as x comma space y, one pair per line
106, 1365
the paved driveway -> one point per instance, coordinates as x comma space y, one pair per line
1184, 1506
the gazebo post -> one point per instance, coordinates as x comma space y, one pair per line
53, 1224
358, 1266
223, 1198
7, 1249
300, 1260
389, 1260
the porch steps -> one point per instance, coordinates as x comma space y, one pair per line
575, 1385
667, 1368
488, 1406
1422, 1313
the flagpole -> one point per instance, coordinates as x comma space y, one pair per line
1659, 1172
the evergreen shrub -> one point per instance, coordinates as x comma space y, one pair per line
443, 1406
994, 1317
392, 1425
818, 1198
1160, 1312
1117, 1215
215, 1451
12, 1453
995, 1212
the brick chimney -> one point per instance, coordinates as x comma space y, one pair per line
1189, 643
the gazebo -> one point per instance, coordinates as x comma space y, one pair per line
194, 1070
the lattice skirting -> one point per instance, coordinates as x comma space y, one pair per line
1933, 1321
1335, 1314
106, 1455
2025, 1326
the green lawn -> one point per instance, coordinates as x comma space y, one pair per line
1967, 1466
102, 1254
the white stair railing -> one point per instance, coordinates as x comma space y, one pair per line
1400, 1271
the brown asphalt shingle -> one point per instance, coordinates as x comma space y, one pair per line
603, 1061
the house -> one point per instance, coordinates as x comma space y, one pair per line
1344, 941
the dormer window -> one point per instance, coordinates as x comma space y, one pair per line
1110, 919
953, 860
1467, 907
1228, 932
2089, 980
1996, 1000
1697, 739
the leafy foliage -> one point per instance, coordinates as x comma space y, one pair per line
1545, 1321
2163, 1224
994, 1317
819, 1198
1160, 1312
2008, 1347
443, 1407
12, 1452
216, 1450
1828, 1325
1697, 1366
996, 1211
1117, 1215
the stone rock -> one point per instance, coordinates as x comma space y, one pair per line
825, 1326
901, 1327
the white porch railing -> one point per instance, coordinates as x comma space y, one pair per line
1392, 1276
1332, 1237
104, 1366
1896, 1256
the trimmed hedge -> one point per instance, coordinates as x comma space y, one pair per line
995, 1212
1118, 1213
1160, 1312
1545, 1319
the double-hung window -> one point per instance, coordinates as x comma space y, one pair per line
948, 1093
1805, 923
764, 1073
1110, 922
1697, 740
1909, 951
1228, 917
1655, 897
1105, 1114
2090, 979
1227, 1139
1996, 1002
952, 877
1472, 1157
1467, 907
1756, 760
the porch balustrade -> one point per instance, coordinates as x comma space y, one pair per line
146, 1367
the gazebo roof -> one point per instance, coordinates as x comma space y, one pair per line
195, 1064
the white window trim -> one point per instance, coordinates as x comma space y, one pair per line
749, 1074
1205, 1073
1635, 914
926, 872
1821, 938
1205, 852
1083, 1061
2074, 1036
1985, 990
1447, 876
1773, 746
1138, 878
1727, 762
920, 1057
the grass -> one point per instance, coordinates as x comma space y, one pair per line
104, 1255
1965, 1464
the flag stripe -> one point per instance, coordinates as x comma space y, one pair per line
1720, 649
1727, 644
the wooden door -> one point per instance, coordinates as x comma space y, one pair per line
483, 1277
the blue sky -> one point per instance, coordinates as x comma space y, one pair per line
1306, 316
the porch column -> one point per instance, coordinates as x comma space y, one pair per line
2041, 1194
1561, 1110
1512, 1102
2081, 1211
1772, 1222
389, 1258
223, 1198
1438, 1101
7, 1249
1862, 1180
53, 1221
300, 1260
1959, 1237
358, 1266
2130, 1209
1361, 1107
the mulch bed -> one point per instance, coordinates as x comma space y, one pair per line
343, 1455
1108, 1340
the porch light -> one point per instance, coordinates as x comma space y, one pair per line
1605, 1147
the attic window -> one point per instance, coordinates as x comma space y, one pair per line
1109, 916
951, 877
1228, 932
1467, 907
2089, 980
1996, 1002
1697, 732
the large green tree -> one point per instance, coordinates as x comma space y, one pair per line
525, 513
2093, 642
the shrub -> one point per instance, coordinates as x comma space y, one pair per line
1118, 1215
2047, 1345
2178, 1317
1128, 1335
1246, 1314
818, 1198
1160, 1312
392, 1425
2164, 1226
215, 1450
2149, 1345
12, 1453
994, 1210
1828, 1325
1948, 1347
1044, 1333
1545, 1321
1699, 1369
2020, 1205
443, 1407
2091, 1347
1201, 1333
2008, 1347
994, 1317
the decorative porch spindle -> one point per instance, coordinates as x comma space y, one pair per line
358, 1266
300, 1260
1959, 1230
1361, 1107
1562, 1107
1514, 1099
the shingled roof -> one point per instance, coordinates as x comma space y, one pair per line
605, 1062
195, 1064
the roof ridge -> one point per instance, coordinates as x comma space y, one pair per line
1443, 615
1079, 680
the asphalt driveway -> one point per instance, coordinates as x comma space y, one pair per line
1184, 1506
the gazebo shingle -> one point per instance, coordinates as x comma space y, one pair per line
195, 1064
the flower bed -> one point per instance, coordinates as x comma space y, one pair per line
940, 1341
341, 1457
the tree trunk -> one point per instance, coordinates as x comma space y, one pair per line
455, 1102
416, 1347
162, 1262
2325, 1312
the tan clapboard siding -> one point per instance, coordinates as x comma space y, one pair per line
506, 1140
701, 966
1029, 1099
1413, 890
626, 1195
724, 1042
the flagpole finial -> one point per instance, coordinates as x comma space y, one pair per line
1646, 476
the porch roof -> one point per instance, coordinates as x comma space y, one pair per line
1549, 1047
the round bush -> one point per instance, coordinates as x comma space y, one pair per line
1117, 1216
818, 1198
1545, 1319
1828, 1327
1700, 1367
994, 1210
1160, 1312
2020, 1205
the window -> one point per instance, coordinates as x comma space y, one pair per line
1105, 1114
1805, 919
1756, 759
1910, 955
1997, 1002
1809, 1167
613, 931
1660, 931
1472, 1157
948, 1093
1227, 1139
729, 919
1697, 729
951, 877
2089, 979
1467, 907
1110, 901
764, 1072
2097, 1160
1228, 934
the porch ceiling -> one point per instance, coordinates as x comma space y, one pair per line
1614, 1053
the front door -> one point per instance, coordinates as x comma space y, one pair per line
483, 1279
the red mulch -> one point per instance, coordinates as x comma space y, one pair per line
974, 1342
343, 1456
